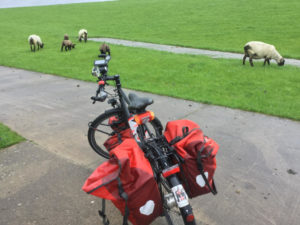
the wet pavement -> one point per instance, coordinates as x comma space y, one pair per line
257, 165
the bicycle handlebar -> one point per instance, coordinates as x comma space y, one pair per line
103, 94
115, 78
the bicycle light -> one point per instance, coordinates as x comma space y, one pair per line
144, 117
102, 96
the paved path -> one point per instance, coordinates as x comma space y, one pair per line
29, 3
40, 182
182, 50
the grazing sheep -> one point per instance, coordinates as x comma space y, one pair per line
104, 48
261, 50
67, 44
34, 40
82, 35
66, 37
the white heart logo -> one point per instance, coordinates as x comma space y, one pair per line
200, 181
148, 208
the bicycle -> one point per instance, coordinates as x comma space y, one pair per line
131, 113
118, 100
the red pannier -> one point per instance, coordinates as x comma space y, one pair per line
117, 139
127, 180
198, 153
121, 133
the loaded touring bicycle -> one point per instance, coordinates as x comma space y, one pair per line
149, 172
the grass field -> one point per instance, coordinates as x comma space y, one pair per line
8, 137
222, 25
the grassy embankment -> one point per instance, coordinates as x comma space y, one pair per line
220, 25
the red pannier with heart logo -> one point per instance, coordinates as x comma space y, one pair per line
198, 156
127, 180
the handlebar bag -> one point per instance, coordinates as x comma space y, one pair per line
127, 180
198, 154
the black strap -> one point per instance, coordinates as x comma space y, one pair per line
184, 177
119, 138
102, 213
185, 132
200, 168
123, 195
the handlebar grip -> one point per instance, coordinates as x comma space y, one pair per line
115, 77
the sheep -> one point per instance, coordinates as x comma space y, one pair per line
82, 34
67, 44
261, 50
66, 37
104, 48
34, 40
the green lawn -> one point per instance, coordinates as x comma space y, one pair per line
8, 137
221, 25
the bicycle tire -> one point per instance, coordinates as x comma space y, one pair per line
176, 215
100, 126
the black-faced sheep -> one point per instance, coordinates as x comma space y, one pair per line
67, 44
82, 34
104, 48
35, 40
261, 50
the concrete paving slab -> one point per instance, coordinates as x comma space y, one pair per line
256, 151
38, 187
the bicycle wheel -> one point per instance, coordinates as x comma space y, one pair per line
101, 129
152, 129
172, 213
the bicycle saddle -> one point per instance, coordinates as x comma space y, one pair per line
138, 103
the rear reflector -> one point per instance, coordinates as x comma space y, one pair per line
190, 218
171, 170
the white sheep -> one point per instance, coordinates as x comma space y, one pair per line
82, 34
261, 50
34, 40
